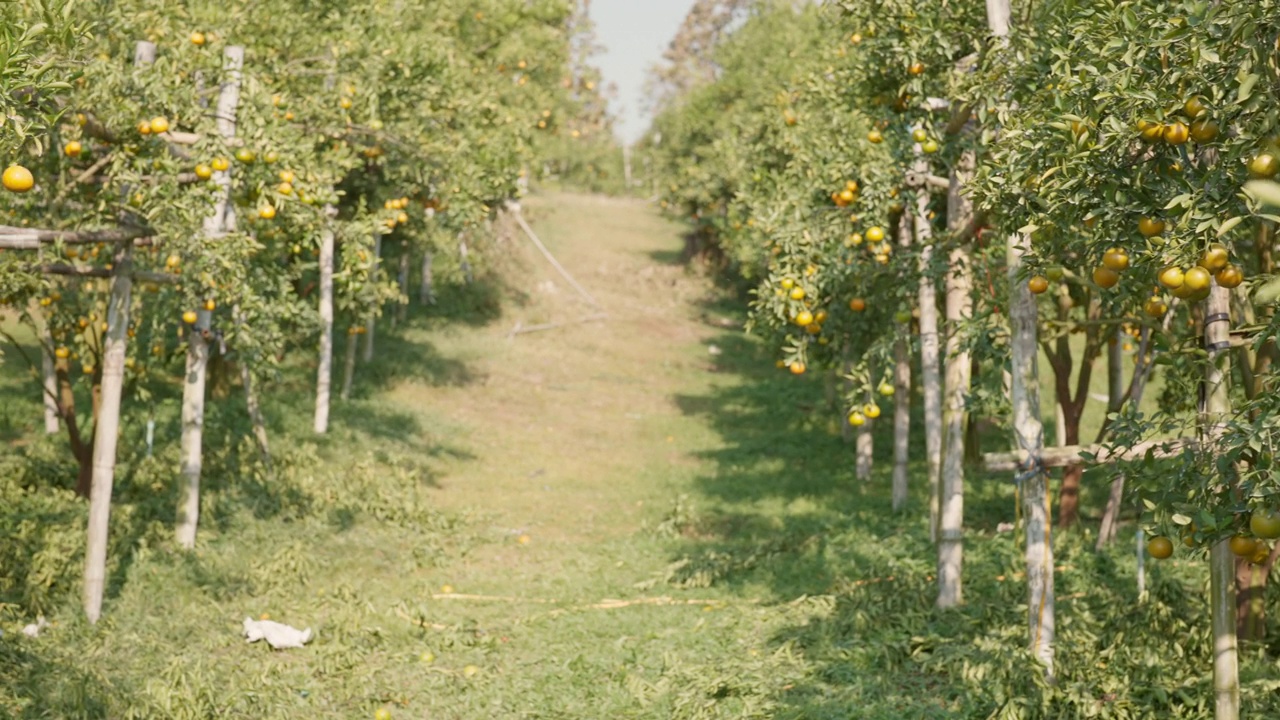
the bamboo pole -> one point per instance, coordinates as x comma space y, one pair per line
372, 324
324, 373
349, 364
959, 308
49, 378
1222, 585
930, 381
193, 388
1029, 436
902, 397
106, 431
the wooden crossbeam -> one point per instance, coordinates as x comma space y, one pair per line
20, 238
99, 272
1053, 457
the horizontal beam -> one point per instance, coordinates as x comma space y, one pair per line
20, 238
100, 272
1052, 457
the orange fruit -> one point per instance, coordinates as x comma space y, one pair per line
916, 68
1242, 546
266, 212
204, 172
159, 124
875, 137
871, 410
1194, 107
1150, 227
804, 318
17, 178
219, 164
1176, 134
1197, 278
1105, 277
1160, 547
1150, 131
1038, 284
1204, 131
797, 368
857, 419
189, 317
1264, 165
1215, 257
1155, 307
857, 304
1116, 259
797, 293
1172, 277
874, 234
1230, 276
73, 148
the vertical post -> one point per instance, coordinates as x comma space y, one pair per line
1142, 565
959, 307
1222, 567
1029, 437
371, 325
463, 259
106, 431
426, 291
929, 379
1115, 397
402, 307
193, 389
349, 363
325, 372
49, 377
864, 450
902, 396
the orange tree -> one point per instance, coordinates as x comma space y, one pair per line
1101, 114
417, 122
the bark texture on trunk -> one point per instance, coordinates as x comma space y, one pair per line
902, 397
192, 434
959, 309
931, 383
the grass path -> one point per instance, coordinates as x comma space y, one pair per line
634, 518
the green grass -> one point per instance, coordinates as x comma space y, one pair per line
711, 493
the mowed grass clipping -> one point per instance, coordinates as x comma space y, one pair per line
633, 518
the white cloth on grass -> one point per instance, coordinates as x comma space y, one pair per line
278, 635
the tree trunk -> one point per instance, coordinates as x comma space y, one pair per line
930, 382
325, 372
107, 427
1222, 588
959, 304
1251, 608
464, 261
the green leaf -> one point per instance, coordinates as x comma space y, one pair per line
1246, 86
1265, 191
1228, 224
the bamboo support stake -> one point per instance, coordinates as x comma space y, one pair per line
1115, 398
324, 373
1222, 563
106, 431
1029, 436
49, 378
864, 447
426, 289
959, 308
402, 307
930, 381
193, 389
902, 397
349, 364
372, 324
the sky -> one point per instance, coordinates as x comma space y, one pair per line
634, 33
